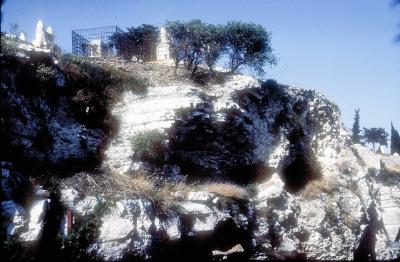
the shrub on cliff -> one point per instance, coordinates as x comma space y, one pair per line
93, 88
149, 146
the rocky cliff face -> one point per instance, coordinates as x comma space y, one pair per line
309, 192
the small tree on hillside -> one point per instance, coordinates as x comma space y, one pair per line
356, 136
179, 41
248, 44
375, 135
139, 41
394, 140
195, 42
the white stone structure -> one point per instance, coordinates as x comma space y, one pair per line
21, 36
95, 48
40, 40
163, 48
43, 38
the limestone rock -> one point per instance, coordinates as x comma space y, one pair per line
37, 214
13, 216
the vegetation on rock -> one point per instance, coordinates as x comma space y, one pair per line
395, 140
375, 135
356, 132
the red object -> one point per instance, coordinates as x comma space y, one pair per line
69, 221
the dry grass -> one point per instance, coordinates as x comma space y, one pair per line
141, 185
226, 190
323, 185
393, 168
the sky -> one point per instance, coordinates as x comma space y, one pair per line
344, 49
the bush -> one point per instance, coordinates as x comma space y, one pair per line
45, 73
149, 146
92, 89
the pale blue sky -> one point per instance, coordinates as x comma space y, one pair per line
344, 49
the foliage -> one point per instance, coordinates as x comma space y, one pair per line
375, 135
395, 140
149, 146
248, 44
245, 44
140, 42
8, 48
92, 88
214, 44
356, 136
45, 73
74, 247
188, 41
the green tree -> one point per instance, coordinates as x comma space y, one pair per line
248, 44
394, 140
244, 44
197, 33
190, 41
356, 136
375, 135
178, 40
139, 41
214, 45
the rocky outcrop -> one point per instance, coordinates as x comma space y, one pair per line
135, 228
312, 193
37, 119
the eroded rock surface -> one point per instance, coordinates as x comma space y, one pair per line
314, 195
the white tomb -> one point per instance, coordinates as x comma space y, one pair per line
163, 48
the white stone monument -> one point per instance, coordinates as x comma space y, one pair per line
49, 35
21, 36
163, 48
95, 48
40, 40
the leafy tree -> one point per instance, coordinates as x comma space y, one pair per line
144, 38
214, 45
178, 41
190, 39
375, 135
245, 44
138, 41
248, 44
356, 136
196, 33
395, 140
